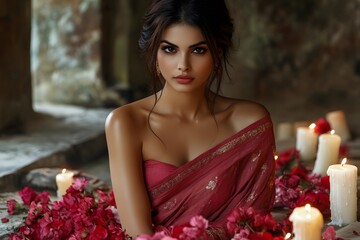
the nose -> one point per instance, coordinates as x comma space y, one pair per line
183, 64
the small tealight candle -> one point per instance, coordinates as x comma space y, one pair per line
64, 181
306, 142
328, 152
343, 193
338, 122
307, 223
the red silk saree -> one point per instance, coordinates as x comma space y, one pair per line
238, 172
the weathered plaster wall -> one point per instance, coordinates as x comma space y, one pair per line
301, 59
66, 53
302, 55
15, 79
297, 49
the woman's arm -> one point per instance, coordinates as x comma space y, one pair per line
125, 157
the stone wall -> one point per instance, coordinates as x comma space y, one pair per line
15, 79
282, 49
301, 59
302, 55
85, 51
297, 49
66, 52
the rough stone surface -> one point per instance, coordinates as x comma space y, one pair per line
14, 221
59, 136
300, 58
43, 179
66, 53
307, 48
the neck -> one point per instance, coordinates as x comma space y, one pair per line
185, 105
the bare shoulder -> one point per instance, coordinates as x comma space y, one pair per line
129, 117
242, 113
251, 111
124, 129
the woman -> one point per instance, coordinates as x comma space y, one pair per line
186, 150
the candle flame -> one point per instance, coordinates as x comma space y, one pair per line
332, 131
312, 126
276, 157
307, 207
343, 161
64, 170
288, 236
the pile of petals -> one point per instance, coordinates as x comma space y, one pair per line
82, 215
78, 215
242, 224
296, 185
195, 229
247, 224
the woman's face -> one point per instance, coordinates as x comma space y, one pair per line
184, 58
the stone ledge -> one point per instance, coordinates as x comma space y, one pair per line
57, 136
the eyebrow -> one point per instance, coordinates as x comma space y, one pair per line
191, 46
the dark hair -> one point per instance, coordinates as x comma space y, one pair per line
210, 16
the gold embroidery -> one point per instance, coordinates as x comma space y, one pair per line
217, 233
252, 197
212, 184
198, 164
255, 156
263, 169
170, 204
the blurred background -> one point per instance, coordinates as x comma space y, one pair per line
301, 59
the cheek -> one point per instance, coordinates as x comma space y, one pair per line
207, 66
164, 62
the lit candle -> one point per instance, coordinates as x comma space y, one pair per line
328, 152
343, 193
338, 122
307, 223
63, 182
306, 142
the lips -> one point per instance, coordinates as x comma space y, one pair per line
182, 79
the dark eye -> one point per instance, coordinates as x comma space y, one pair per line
169, 49
199, 50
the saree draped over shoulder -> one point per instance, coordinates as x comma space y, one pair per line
238, 172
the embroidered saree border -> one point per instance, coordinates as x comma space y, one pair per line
226, 147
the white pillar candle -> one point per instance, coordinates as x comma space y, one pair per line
343, 193
328, 152
306, 142
64, 181
284, 131
338, 122
307, 223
